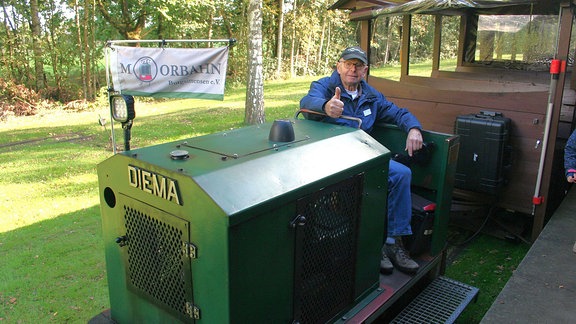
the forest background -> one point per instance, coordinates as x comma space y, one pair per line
53, 50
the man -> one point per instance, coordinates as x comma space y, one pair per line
570, 163
570, 158
346, 93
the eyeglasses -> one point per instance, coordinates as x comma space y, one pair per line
350, 64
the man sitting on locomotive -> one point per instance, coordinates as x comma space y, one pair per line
346, 93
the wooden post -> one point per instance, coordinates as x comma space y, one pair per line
405, 49
566, 17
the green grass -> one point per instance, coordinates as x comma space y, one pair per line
53, 267
422, 69
486, 263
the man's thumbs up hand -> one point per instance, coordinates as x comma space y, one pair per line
337, 93
335, 106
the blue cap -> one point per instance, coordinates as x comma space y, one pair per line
354, 52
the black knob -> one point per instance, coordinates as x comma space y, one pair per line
121, 240
300, 220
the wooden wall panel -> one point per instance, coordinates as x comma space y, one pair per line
534, 102
438, 109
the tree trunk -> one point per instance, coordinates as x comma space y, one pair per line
89, 94
93, 50
36, 45
279, 42
307, 55
255, 84
210, 27
160, 26
52, 47
321, 45
129, 24
8, 56
328, 41
293, 46
388, 40
227, 23
81, 53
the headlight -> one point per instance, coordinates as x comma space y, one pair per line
122, 107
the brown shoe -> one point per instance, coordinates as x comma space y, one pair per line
400, 257
386, 266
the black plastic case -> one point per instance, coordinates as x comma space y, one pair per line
484, 154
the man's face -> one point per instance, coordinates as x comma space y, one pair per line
351, 72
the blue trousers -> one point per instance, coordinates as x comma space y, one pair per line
399, 200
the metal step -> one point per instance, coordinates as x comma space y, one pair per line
441, 302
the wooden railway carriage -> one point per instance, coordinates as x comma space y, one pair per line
505, 49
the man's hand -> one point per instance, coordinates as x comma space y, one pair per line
571, 175
413, 141
335, 106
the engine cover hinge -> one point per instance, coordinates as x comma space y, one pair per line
192, 310
190, 250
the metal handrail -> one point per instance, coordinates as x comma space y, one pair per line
308, 111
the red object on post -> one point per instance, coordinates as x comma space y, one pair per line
555, 67
537, 200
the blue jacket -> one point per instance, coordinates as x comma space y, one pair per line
371, 106
570, 154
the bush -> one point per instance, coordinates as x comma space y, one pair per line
16, 99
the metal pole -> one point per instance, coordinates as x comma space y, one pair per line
555, 68
230, 41
109, 89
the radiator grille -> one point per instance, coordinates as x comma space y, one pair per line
156, 261
326, 251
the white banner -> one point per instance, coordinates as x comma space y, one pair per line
169, 72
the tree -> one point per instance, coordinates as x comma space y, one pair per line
36, 44
127, 17
254, 113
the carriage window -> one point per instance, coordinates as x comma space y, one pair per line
449, 43
421, 45
523, 42
385, 47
